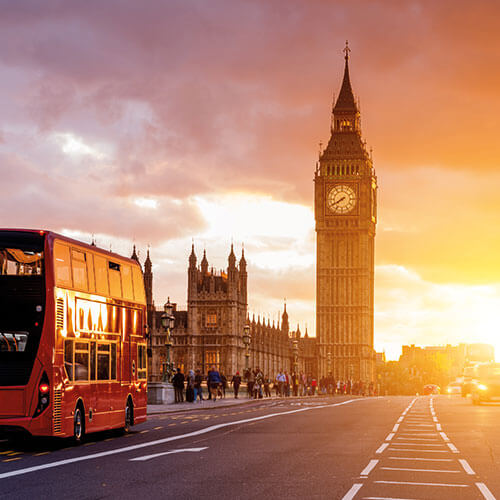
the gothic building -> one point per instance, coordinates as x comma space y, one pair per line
345, 193
211, 331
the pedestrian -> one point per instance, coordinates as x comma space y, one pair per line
178, 383
213, 381
250, 381
236, 381
281, 380
190, 387
267, 389
259, 382
198, 391
223, 384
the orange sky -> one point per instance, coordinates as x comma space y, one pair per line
166, 121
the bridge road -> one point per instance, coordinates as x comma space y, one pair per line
341, 447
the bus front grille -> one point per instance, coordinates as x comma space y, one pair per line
57, 412
60, 314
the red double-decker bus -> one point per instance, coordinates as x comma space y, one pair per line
73, 355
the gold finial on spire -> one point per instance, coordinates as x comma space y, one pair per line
346, 50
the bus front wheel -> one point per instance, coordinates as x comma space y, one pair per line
78, 425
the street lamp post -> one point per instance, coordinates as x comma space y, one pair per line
246, 341
168, 323
329, 362
295, 346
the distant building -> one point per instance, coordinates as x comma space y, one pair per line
210, 332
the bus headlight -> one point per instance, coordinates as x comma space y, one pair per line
482, 387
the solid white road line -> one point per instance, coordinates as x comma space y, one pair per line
419, 433
424, 484
171, 452
422, 470
418, 451
466, 466
416, 444
485, 491
382, 448
422, 459
395, 428
452, 447
205, 430
390, 436
417, 439
352, 492
387, 498
371, 465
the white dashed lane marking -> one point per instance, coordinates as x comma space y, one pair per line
412, 435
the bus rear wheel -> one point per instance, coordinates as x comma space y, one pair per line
128, 417
78, 425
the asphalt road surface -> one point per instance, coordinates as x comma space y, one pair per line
438, 447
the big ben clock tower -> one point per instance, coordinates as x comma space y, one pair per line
345, 190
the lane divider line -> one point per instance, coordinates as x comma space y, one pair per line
424, 484
452, 447
422, 459
467, 468
485, 491
353, 491
390, 436
371, 465
422, 470
444, 436
382, 448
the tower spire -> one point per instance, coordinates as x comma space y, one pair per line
345, 100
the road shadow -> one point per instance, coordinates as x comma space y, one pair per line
25, 443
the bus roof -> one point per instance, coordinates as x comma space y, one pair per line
53, 235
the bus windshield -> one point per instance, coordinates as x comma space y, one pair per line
22, 303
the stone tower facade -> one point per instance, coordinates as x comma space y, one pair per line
345, 194
216, 315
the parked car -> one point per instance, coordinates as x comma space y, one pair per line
486, 383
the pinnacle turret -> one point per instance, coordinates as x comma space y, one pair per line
204, 263
148, 265
134, 255
192, 257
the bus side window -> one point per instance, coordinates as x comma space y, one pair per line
90, 271
138, 284
81, 360
92, 361
113, 361
115, 282
68, 358
101, 275
141, 362
128, 292
62, 265
79, 268
103, 362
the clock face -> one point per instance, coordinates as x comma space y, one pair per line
341, 199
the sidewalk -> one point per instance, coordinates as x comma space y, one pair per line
207, 404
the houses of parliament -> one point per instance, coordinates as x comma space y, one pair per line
210, 331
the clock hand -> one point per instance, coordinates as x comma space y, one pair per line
338, 201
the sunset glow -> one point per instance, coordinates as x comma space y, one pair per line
157, 135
